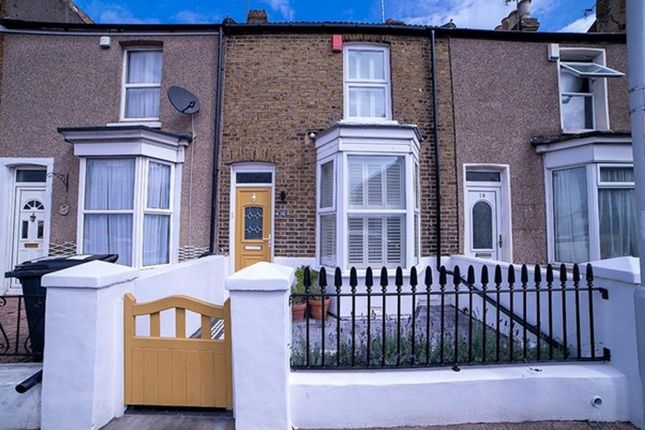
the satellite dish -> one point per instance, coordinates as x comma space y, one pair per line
183, 100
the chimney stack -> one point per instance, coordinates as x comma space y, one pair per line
520, 19
610, 16
257, 16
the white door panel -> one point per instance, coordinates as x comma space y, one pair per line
484, 223
30, 227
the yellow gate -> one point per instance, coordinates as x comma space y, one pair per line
177, 371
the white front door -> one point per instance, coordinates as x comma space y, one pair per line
29, 225
483, 218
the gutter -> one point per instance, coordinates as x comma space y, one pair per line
216, 140
315, 27
435, 131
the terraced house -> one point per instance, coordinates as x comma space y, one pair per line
423, 166
325, 144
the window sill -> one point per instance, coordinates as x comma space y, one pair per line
581, 131
151, 124
368, 120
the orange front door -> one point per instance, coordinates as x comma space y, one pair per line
252, 226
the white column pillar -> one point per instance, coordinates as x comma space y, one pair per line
83, 357
261, 334
636, 73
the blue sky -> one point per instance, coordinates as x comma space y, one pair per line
554, 15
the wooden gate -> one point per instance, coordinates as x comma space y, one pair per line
177, 371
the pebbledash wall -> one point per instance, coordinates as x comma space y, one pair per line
64, 79
280, 86
506, 92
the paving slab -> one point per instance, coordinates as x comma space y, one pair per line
172, 421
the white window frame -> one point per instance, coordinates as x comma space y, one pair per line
385, 83
139, 208
594, 184
381, 212
249, 167
343, 211
600, 104
505, 209
328, 211
150, 121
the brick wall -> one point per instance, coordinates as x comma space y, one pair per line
280, 87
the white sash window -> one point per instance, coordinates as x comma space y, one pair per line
141, 84
367, 82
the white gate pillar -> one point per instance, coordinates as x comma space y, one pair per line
83, 358
261, 334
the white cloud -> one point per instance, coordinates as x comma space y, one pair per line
193, 17
282, 6
464, 13
113, 13
579, 25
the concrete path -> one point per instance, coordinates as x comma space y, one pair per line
167, 420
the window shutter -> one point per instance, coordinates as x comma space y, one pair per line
394, 243
327, 185
375, 240
366, 65
355, 182
367, 102
355, 242
328, 239
374, 183
394, 181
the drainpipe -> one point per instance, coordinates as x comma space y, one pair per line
435, 131
217, 139
636, 73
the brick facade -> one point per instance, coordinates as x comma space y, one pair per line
280, 87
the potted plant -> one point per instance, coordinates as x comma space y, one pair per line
298, 302
318, 306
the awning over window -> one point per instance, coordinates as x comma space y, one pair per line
591, 70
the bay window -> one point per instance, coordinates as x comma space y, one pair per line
127, 209
129, 192
367, 82
368, 197
594, 213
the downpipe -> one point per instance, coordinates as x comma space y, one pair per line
636, 73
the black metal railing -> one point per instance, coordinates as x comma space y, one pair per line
22, 321
447, 319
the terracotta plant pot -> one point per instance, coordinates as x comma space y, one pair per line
316, 308
298, 311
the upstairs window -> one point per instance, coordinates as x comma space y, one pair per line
583, 89
141, 84
367, 82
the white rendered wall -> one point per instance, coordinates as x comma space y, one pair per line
617, 324
362, 399
19, 411
83, 367
261, 334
